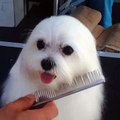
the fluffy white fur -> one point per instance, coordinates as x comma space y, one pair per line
57, 32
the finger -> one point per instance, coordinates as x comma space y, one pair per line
49, 111
23, 103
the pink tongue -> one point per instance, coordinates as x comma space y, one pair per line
47, 77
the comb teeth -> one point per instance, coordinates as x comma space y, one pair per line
79, 83
44, 94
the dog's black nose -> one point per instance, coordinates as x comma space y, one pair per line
47, 64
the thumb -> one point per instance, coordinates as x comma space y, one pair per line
23, 103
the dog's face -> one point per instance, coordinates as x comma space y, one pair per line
58, 49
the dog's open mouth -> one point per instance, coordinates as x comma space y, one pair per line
47, 78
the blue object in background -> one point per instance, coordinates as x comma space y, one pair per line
105, 7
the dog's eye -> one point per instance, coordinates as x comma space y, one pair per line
40, 44
67, 50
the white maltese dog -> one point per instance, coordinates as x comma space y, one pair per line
58, 49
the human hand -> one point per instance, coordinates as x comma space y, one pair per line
20, 110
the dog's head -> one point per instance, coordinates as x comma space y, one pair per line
59, 49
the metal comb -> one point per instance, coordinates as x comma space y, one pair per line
79, 83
